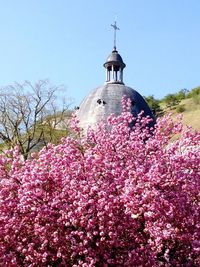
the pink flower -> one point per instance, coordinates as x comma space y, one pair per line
120, 196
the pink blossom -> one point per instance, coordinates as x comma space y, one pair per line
120, 196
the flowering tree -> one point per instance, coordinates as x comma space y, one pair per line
119, 197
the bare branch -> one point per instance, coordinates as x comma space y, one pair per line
29, 115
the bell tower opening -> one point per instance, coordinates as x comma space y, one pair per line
114, 68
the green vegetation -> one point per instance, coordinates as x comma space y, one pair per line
180, 109
171, 100
188, 104
195, 95
154, 104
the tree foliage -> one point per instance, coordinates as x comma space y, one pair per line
29, 115
195, 95
117, 197
194, 92
182, 94
154, 104
171, 100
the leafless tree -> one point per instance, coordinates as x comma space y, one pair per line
29, 115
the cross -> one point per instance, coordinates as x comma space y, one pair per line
115, 29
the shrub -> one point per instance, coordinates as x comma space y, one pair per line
154, 104
118, 197
171, 100
180, 109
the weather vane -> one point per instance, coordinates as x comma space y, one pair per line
115, 30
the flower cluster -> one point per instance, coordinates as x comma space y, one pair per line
120, 196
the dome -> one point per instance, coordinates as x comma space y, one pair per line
114, 58
105, 100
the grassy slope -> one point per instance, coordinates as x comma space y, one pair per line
191, 115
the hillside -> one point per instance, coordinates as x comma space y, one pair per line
190, 113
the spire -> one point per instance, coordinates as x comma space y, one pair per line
115, 30
114, 64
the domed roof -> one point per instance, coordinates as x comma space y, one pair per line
105, 100
114, 58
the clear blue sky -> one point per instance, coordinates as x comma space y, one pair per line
67, 41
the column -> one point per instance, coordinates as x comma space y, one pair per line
113, 73
116, 75
120, 74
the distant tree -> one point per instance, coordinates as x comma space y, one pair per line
182, 94
194, 92
154, 104
195, 95
29, 115
171, 100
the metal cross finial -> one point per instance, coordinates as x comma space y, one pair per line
115, 29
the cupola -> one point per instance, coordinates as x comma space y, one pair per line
114, 68
106, 99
